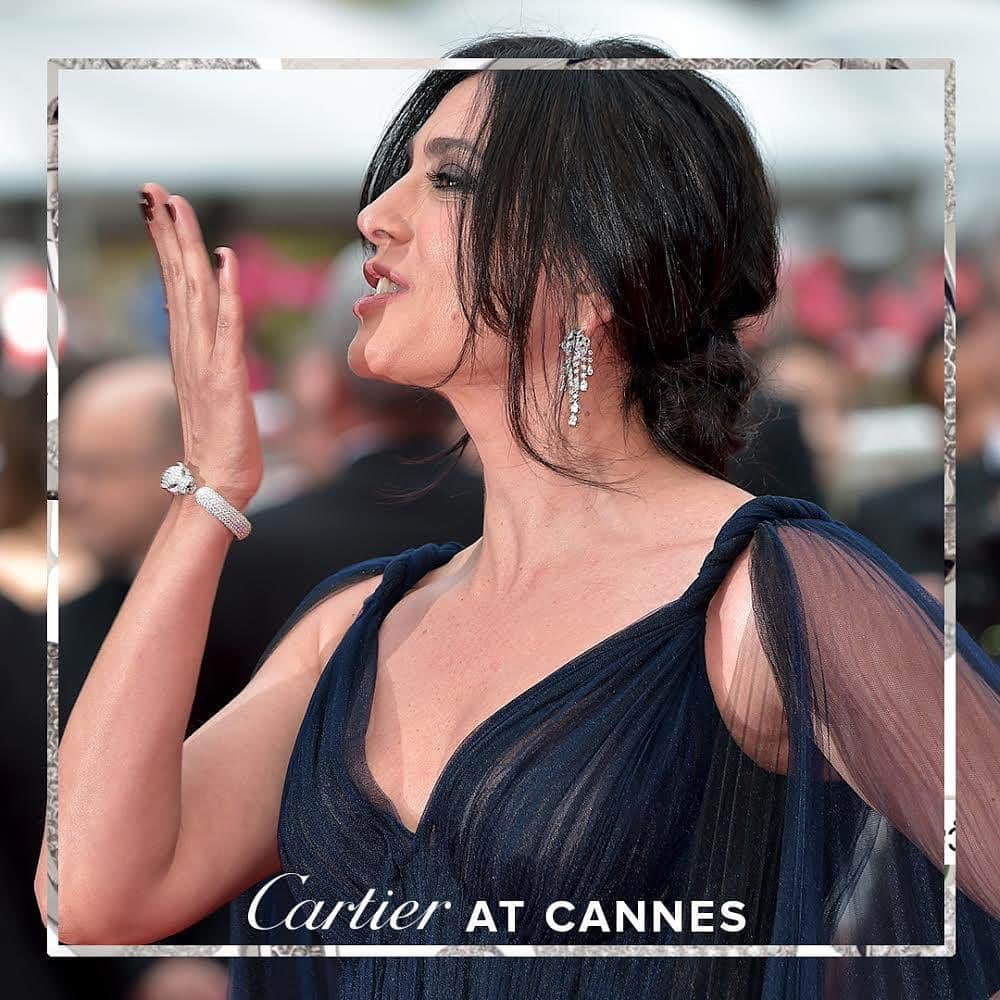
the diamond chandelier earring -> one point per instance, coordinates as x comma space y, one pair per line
577, 364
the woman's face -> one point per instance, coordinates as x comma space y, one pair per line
414, 336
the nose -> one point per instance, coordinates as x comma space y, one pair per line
383, 220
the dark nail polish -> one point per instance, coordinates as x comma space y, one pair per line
171, 212
220, 261
146, 205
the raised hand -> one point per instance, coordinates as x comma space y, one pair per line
221, 439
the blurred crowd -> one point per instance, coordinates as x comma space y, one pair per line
850, 414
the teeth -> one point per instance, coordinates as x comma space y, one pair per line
385, 286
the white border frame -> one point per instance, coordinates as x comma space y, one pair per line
55, 947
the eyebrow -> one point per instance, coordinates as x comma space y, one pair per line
440, 146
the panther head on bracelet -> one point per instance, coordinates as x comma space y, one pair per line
178, 478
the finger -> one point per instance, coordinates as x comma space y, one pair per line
202, 292
161, 232
230, 331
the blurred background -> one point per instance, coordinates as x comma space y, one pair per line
272, 161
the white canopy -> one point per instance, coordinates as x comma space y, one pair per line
315, 129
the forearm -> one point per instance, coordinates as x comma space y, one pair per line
120, 757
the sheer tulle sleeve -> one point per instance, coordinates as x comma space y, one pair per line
836, 681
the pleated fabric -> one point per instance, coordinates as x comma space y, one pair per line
621, 776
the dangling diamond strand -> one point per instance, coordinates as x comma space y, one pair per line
577, 364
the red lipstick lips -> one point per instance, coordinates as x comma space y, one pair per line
373, 271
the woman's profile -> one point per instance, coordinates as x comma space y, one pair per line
642, 684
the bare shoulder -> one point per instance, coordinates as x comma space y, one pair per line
739, 672
334, 614
727, 618
728, 611
294, 663
306, 647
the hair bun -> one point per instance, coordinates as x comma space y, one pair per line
698, 404
707, 335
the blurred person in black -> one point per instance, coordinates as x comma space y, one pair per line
22, 715
387, 435
776, 458
780, 457
906, 519
805, 392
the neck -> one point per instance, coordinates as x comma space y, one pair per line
537, 522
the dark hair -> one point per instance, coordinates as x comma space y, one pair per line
647, 183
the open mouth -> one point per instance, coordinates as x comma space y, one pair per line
383, 291
385, 287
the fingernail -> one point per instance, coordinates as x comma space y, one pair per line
171, 211
220, 261
146, 205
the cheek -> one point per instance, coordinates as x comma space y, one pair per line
438, 263
418, 339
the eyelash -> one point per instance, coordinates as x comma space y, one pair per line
441, 177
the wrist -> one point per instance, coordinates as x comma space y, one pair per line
180, 481
191, 514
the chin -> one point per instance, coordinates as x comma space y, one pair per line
356, 359
411, 357
371, 355
377, 358
383, 360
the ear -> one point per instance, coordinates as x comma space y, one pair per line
593, 309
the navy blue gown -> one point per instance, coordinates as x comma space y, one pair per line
617, 778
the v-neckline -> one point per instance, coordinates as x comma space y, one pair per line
382, 603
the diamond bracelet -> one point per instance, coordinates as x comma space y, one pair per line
178, 478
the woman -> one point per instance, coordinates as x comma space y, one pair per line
674, 691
